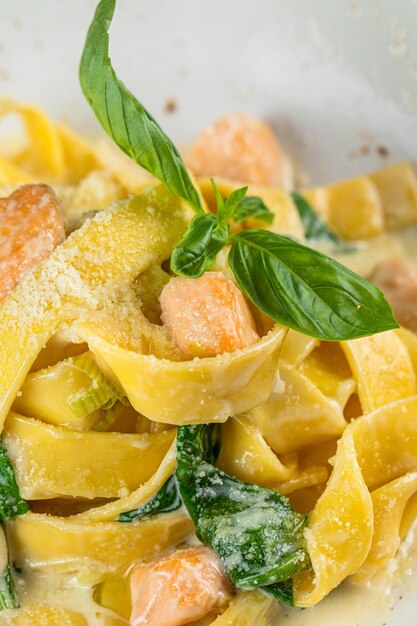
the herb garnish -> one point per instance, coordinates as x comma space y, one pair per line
293, 284
254, 530
208, 234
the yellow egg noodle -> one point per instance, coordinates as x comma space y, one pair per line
331, 425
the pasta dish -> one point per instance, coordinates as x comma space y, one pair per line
208, 391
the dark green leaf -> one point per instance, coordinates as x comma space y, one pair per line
252, 207
200, 246
255, 531
124, 118
166, 500
282, 591
8, 596
232, 203
306, 290
314, 227
11, 503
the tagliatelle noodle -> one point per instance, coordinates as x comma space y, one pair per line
297, 413
374, 450
53, 462
100, 289
129, 237
382, 369
246, 455
186, 392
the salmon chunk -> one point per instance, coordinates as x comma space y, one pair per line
31, 226
207, 315
397, 278
178, 589
238, 147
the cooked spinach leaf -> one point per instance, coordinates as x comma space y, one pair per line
11, 503
8, 596
255, 531
166, 500
283, 592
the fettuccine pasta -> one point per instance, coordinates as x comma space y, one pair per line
131, 466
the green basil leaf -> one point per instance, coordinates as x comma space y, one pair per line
314, 227
166, 500
124, 118
199, 247
252, 207
306, 290
11, 503
233, 201
255, 531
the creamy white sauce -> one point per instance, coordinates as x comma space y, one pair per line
378, 603
396, 244
57, 592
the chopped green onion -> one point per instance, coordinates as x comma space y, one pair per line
101, 393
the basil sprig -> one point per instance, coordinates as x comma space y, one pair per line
124, 118
207, 234
291, 283
256, 533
